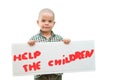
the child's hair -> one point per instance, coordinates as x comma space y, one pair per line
48, 11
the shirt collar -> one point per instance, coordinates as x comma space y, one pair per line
53, 34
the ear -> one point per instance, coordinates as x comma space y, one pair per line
54, 22
37, 21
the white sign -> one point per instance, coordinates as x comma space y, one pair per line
53, 57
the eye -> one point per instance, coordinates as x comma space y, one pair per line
50, 21
43, 20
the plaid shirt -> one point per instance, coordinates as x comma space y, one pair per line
40, 38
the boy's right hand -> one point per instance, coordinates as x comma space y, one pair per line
31, 42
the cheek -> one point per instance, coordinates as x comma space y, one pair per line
40, 24
52, 25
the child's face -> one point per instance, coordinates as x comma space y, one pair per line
46, 22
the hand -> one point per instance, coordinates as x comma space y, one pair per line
66, 41
31, 42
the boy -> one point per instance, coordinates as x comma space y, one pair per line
46, 23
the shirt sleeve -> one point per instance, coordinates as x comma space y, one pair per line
35, 37
60, 38
32, 38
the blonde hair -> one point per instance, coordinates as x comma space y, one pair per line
46, 10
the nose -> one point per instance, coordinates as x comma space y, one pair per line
46, 22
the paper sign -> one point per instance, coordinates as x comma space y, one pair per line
53, 57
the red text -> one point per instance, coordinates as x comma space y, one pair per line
26, 56
78, 55
34, 66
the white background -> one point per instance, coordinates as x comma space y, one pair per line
97, 20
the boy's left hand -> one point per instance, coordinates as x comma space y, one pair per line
66, 41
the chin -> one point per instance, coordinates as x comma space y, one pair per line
46, 30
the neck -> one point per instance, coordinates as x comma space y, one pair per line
47, 34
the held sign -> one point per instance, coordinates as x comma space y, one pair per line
53, 57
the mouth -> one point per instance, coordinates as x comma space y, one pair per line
46, 27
